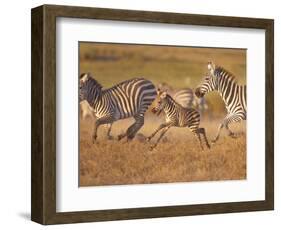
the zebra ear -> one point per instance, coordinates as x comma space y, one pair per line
84, 77
211, 67
164, 94
158, 91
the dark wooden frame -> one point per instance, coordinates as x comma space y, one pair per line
43, 188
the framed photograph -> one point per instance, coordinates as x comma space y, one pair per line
147, 114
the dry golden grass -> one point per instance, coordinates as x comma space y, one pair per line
176, 159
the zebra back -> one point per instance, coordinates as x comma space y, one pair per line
126, 99
233, 94
184, 97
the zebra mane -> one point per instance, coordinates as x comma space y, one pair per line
129, 80
94, 83
91, 81
222, 72
172, 99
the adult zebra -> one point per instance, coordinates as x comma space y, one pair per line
185, 97
176, 116
130, 98
233, 95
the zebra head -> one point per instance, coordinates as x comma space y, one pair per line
89, 88
160, 101
209, 83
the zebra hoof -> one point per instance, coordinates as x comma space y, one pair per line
129, 139
214, 141
148, 139
152, 147
234, 135
94, 139
110, 138
121, 136
140, 137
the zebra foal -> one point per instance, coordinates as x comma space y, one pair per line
233, 95
186, 98
129, 98
176, 116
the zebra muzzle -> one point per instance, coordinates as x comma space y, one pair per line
198, 93
156, 111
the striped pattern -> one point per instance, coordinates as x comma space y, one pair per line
233, 95
177, 116
186, 98
130, 98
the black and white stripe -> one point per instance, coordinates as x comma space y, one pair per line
177, 116
233, 95
130, 98
185, 97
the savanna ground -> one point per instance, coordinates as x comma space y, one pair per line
178, 157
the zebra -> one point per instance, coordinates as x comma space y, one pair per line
176, 116
233, 95
130, 98
186, 98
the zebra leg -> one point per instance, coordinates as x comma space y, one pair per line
203, 132
218, 133
196, 131
200, 141
156, 131
109, 137
101, 121
160, 137
231, 119
96, 126
229, 132
133, 129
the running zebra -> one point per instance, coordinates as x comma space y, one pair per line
233, 95
176, 116
130, 98
186, 98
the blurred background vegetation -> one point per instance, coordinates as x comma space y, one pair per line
177, 66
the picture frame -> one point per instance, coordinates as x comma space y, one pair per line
43, 160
